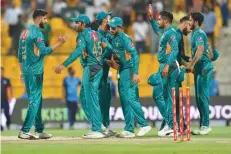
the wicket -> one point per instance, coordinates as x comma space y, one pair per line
181, 115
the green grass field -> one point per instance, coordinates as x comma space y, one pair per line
70, 142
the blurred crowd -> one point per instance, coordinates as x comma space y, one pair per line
17, 14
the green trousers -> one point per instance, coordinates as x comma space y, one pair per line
129, 97
83, 102
105, 101
163, 98
202, 82
89, 95
34, 86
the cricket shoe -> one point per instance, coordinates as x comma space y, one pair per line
205, 130
196, 131
43, 135
94, 135
125, 134
165, 131
28, 136
109, 132
144, 130
172, 134
103, 128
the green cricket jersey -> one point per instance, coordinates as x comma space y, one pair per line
168, 47
32, 50
108, 37
90, 45
200, 38
181, 55
125, 52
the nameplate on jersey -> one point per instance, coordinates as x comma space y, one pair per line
25, 34
94, 36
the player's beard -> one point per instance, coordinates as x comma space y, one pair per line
41, 25
193, 26
161, 26
185, 32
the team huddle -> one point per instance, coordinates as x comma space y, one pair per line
111, 47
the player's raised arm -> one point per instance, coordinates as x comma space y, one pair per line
81, 45
153, 22
39, 41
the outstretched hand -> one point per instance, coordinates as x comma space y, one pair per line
62, 39
150, 14
59, 69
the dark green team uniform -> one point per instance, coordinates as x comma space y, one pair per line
105, 89
127, 57
167, 54
203, 71
31, 55
90, 45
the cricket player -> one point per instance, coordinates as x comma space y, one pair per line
127, 57
90, 44
203, 70
102, 19
31, 53
182, 60
168, 66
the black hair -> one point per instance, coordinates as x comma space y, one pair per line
197, 16
39, 13
2, 68
185, 18
69, 69
167, 15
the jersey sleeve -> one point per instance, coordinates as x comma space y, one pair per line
39, 41
129, 46
174, 48
199, 40
155, 27
81, 45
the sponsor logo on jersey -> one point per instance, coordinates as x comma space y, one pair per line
173, 37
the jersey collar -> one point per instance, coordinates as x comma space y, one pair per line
168, 28
33, 25
102, 32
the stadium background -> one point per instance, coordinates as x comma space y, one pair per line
128, 10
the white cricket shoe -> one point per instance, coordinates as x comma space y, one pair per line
103, 128
165, 131
43, 135
144, 130
28, 136
125, 134
109, 132
196, 131
94, 135
172, 134
205, 130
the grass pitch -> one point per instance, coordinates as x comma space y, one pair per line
70, 142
